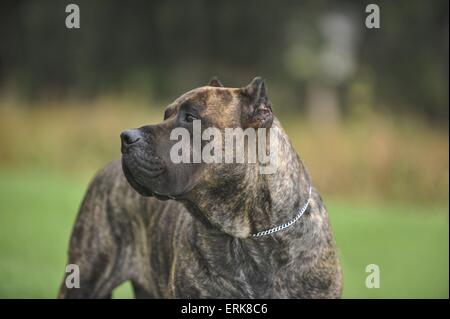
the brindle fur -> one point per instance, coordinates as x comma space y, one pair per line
200, 245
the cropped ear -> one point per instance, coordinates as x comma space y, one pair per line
215, 82
256, 107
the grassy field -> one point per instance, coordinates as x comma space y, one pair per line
408, 242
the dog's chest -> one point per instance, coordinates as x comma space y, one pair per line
231, 272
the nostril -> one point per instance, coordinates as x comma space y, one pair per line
130, 137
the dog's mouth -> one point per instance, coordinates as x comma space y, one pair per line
142, 172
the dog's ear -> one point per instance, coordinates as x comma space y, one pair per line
215, 82
256, 107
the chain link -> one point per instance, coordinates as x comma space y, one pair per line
289, 223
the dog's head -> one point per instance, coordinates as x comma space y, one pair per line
148, 151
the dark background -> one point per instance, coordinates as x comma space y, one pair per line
160, 47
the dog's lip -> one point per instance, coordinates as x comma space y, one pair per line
133, 182
143, 190
157, 173
153, 166
163, 196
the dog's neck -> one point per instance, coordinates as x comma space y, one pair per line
288, 187
261, 201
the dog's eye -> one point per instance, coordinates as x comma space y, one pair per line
188, 117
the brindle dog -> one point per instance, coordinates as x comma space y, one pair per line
185, 230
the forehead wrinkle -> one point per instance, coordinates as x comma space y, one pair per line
220, 105
202, 90
222, 110
192, 95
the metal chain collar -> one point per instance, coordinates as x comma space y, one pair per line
289, 223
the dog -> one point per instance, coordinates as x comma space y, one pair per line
198, 230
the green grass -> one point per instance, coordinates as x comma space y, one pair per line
409, 243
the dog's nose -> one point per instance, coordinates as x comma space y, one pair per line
130, 137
